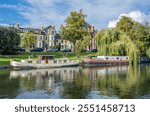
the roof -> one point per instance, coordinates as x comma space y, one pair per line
36, 30
50, 26
33, 30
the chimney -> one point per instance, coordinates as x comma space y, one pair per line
17, 25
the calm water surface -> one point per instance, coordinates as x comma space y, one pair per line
117, 82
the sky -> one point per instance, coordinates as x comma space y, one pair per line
100, 13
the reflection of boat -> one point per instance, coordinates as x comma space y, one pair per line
44, 61
106, 60
42, 72
105, 70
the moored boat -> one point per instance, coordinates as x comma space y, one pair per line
106, 60
110, 60
144, 60
44, 61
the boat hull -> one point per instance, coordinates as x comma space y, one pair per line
96, 62
15, 64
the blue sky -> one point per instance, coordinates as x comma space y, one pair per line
100, 13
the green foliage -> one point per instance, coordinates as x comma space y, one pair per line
86, 41
78, 47
28, 40
125, 24
75, 28
9, 40
115, 42
138, 33
148, 52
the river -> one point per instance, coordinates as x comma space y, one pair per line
113, 82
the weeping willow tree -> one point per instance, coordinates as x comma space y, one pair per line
86, 41
82, 44
115, 42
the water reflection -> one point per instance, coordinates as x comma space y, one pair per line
77, 83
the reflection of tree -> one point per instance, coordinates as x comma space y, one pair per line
78, 88
76, 83
8, 87
144, 81
28, 83
129, 85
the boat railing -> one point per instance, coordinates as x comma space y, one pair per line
51, 61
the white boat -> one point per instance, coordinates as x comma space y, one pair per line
44, 61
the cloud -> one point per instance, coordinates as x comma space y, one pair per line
39, 13
18, 7
4, 24
8, 6
99, 12
135, 15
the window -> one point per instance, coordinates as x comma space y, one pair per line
53, 32
40, 44
52, 38
41, 37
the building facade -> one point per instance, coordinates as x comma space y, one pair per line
45, 37
65, 44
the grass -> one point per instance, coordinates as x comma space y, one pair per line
5, 59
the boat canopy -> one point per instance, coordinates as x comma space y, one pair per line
46, 57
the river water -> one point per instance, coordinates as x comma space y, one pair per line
115, 82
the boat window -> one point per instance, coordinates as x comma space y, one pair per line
30, 61
65, 61
43, 57
117, 58
127, 58
50, 57
106, 58
47, 57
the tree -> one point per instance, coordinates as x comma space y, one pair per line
28, 40
9, 40
86, 41
75, 28
115, 42
125, 24
138, 33
78, 48
148, 52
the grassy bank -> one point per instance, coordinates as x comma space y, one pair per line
5, 59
